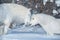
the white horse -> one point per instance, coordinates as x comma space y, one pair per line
48, 23
14, 12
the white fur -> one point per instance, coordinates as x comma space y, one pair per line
44, 2
48, 23
16, 13
55, 12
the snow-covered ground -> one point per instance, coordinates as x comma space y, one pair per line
27, 33
29, 36
58, 2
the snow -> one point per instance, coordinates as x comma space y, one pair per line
19, 34
58, 2
26, 33
27, 37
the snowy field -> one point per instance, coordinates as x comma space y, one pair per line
26, 33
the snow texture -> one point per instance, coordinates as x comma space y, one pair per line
20, 32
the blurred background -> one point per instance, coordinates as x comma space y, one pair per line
50, 7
